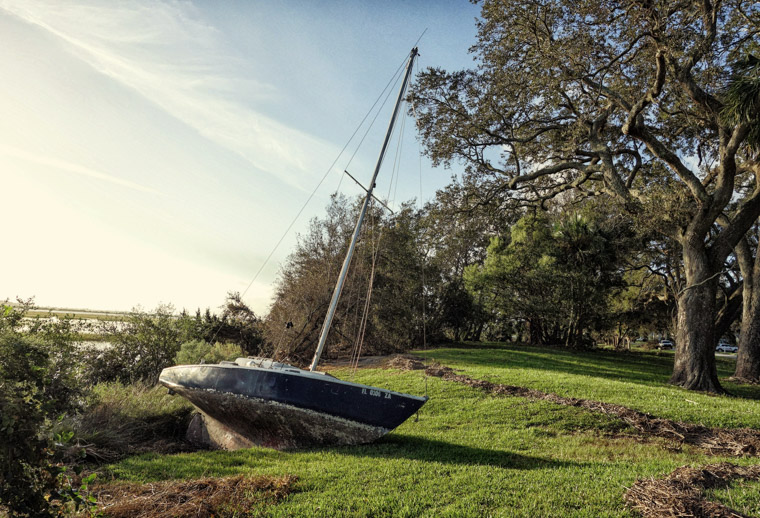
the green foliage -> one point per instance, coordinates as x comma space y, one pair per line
37, 385
454, 234
144, 343
141, 346
199, 351
236, 324
81, 498
742, 98
27, 473
554, 277
387, 258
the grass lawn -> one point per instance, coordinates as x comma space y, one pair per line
474, 454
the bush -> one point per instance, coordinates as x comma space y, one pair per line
34, 390
145, 343
141, 346
200, 351
236, 324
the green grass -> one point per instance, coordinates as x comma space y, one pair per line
741, 496
473, 454
637, 380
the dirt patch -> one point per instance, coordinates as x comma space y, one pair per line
737, 442
200, 498
365, 362
682, 492
404, 362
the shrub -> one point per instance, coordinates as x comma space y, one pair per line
141, 347
199, 351
35, 389
145, 343
236, 324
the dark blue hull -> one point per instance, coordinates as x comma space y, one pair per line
287, 407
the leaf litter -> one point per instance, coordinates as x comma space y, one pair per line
201, 498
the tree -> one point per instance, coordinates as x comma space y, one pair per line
555, 276
748, 357
237, 324
742, 104
612, 98
517, 279
305, 284
455, 233
395, 254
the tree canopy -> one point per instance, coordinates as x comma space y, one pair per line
616, 98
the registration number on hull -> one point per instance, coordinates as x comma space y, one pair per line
376, 393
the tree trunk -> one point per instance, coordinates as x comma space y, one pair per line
535, 331
748, 358
694, 367
730, 311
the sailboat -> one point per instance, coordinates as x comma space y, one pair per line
262, 402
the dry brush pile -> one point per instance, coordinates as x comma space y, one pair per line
681, 493
201, 498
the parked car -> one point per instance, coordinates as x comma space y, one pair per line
726, 348
666, 344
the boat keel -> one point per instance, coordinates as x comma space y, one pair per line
231, 422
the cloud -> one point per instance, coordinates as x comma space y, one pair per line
173, 58
72, 168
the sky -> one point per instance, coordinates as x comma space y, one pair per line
155, 152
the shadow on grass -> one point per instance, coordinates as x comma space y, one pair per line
220, 463
642, 368
418, 448
634, 367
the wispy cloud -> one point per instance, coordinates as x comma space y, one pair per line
69, 167
145, 46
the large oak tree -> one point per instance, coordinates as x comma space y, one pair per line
622, 98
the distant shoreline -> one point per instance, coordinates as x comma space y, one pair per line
49, 310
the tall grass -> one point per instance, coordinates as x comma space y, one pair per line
127, 419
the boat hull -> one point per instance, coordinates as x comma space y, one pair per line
286, 408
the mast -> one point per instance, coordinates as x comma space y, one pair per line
347, 261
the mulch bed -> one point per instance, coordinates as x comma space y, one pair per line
681, 493
736, 442
201, 498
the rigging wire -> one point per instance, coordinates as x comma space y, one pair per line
375, 252
424, 257
359, 340
388, 85
397, 162
394, 79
